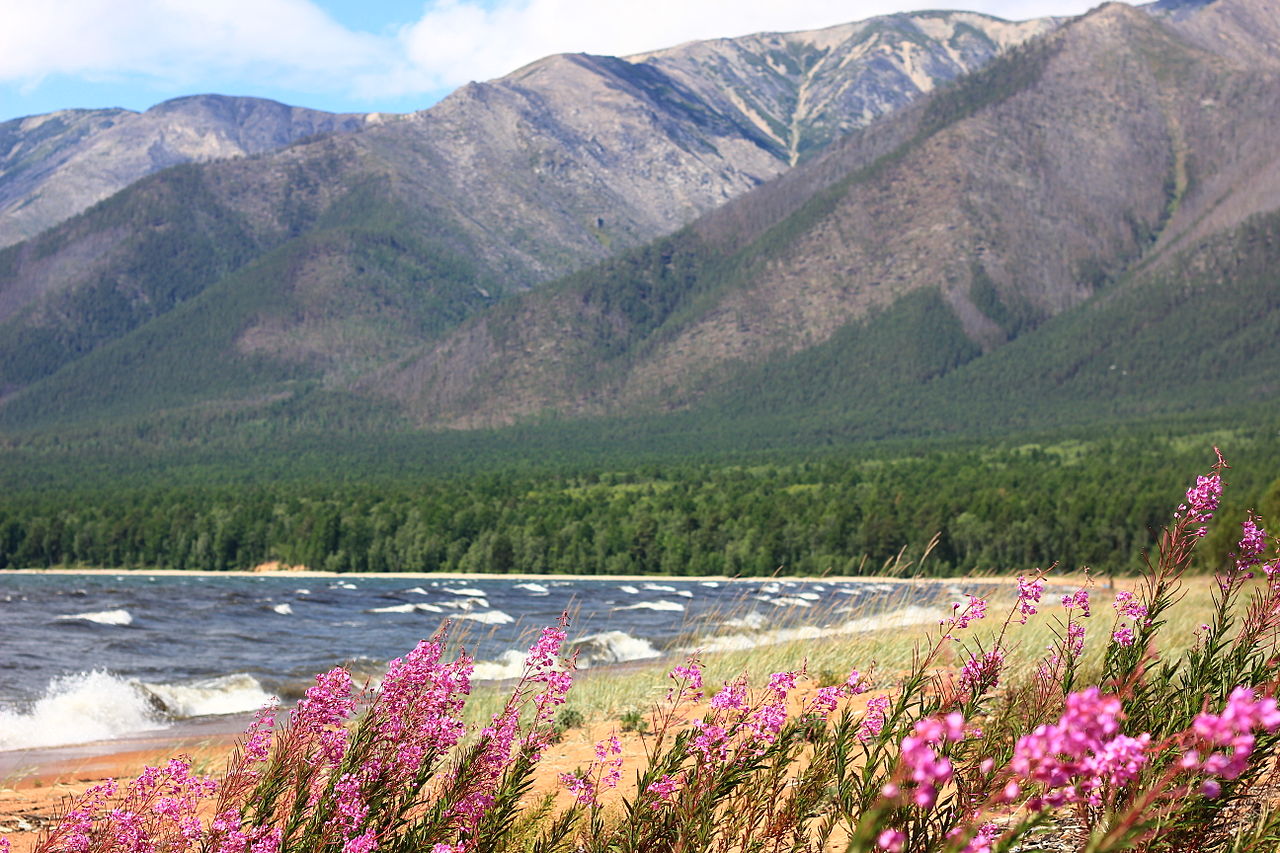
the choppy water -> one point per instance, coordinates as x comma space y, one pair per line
94, 657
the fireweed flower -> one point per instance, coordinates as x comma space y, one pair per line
1231, 733
1202, 501
732, 697
1252, 545
607, 766
1029, 592
1081, 753
665, 787
1079, 599
873, 720
963, 614
688, 678
925, 768
1075, 640
1128, 605
891, 840
1123, 636
983, 840
982, 674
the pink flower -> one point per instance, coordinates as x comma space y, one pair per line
366, 843
688, 678
1252, 545
962, 615
1123, 636
1079, 599
1129, 606
781, 683
980, 675
1202, 501
1029, 592
733, 697
1075, 640
665, 787
1082, 752
1233, 729
607, 766
925, 767
873, 720
891, 840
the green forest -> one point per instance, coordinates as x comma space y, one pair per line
868, 510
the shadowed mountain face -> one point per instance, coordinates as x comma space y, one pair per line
334, 257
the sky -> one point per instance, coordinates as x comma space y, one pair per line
364, 55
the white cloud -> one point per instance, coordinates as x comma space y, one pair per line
178, 40
296, 44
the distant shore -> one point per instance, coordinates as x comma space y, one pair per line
1056, 577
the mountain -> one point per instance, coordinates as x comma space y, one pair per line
55, 165
228, 283
1117, 177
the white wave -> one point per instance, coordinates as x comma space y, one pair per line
510, 664
809, 596
684, 593
907, 617
465, 590
79, 708
283, 609
227, 694
420, 607
629, 589
819, 588
489, 617
302, 592
654, 605
771, 588
784, 601
658, 587
342, 585
103, 617
612, 647
417, 590
464, 603
754, 621
712, 584
533, 588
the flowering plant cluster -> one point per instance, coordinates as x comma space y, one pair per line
1130, 748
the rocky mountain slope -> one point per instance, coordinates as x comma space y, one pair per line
53, 166
335, 257
1101, 161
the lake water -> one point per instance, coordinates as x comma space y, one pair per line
95, 657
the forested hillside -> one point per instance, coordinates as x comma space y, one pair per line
1093, 503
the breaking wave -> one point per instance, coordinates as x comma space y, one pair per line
102, 617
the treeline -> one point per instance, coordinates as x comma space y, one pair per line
1017, 508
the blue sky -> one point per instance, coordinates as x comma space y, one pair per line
362, 55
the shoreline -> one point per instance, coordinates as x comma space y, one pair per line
1055, 577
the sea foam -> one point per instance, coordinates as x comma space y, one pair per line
79, 708
227, 694
489, 617
103, 617
661, 604
612, 647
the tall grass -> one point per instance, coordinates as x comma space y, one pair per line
1093, 723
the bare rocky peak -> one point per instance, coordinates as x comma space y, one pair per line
805, 89
55, 165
